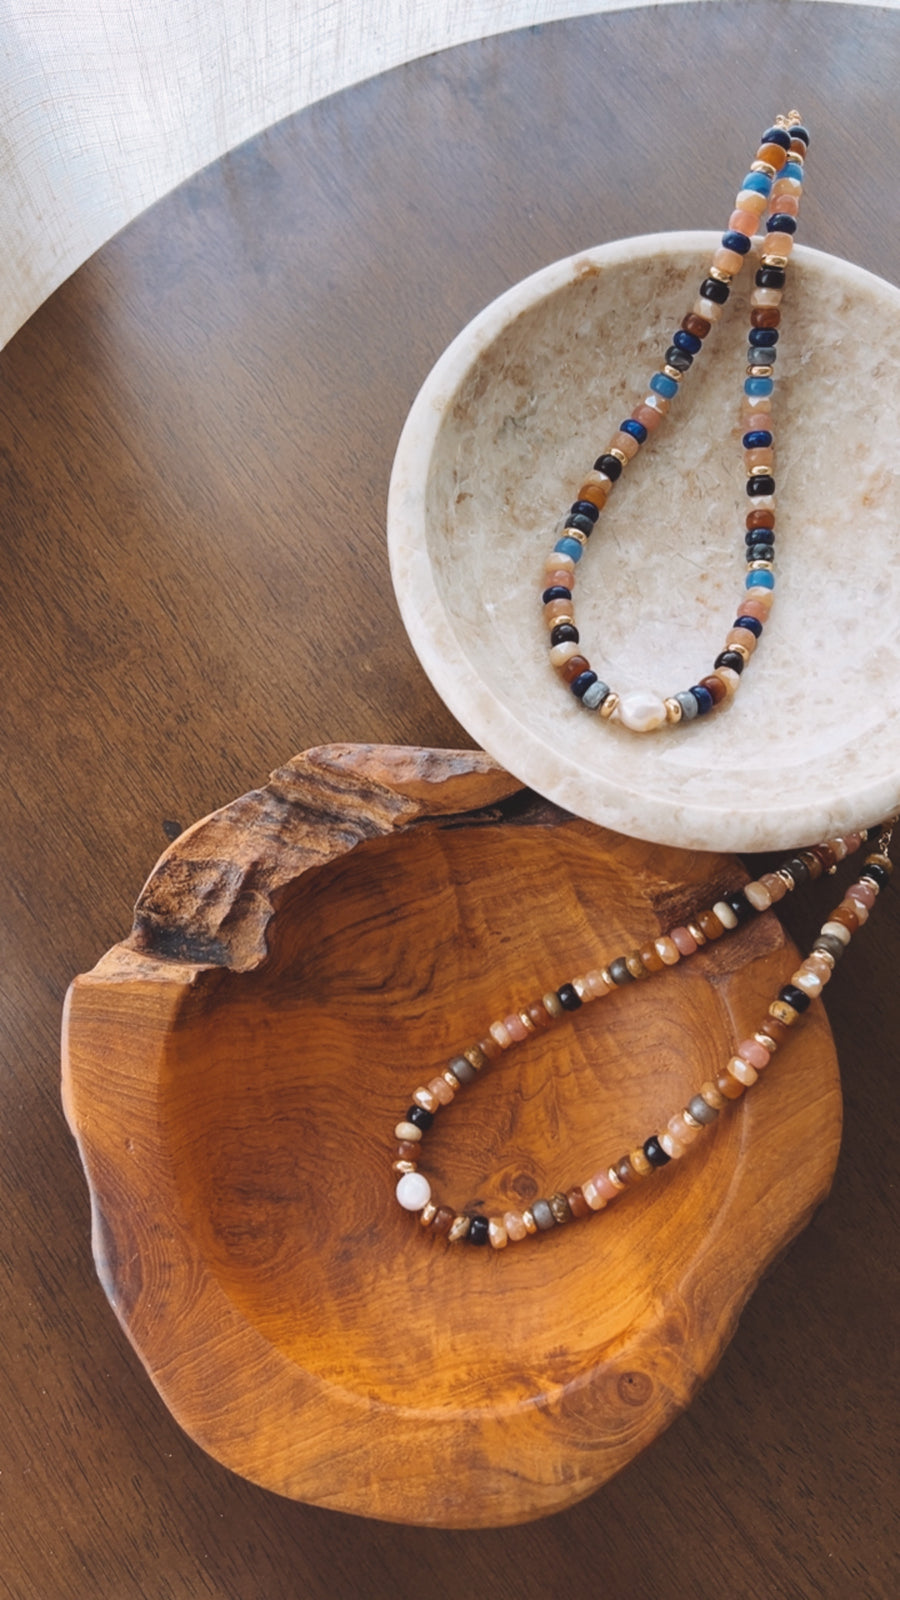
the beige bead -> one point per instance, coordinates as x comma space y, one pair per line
408, 1131
515, 1227
758, 895
711, 1095
671, 1146
497, 1233
592, 1195
441, 1090
742, 1071
725, 914
809, 982
837, 930
596, 985
425, 1099
561, 653
667, 950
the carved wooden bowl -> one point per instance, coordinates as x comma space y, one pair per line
299, 963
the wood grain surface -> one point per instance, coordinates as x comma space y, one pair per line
196, 438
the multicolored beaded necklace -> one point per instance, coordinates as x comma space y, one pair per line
775, 179
743, 1068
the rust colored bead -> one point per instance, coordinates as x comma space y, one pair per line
765, 317
574, 667
577, 1203
826, 855
729, 1086
710, 924
489, 1048
539, 1015
760, 519
443, 1220
697, 325
774, 154
407, 1151
715, 686
651, 958
776, 1031
559, 1205
846, 916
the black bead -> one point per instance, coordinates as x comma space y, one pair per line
770, 278
732, 659
763, 336
750, 623
568, 997
564, 633
759, 536
798, 870
776, 136
585, 508
792, 996
878, 874
420, 1118
479, 1231
579, 523
761, 484
714, 289
555, 592
761, 552
618, 971
739, 904
780, 223
609, 466
655, 1153
679, 359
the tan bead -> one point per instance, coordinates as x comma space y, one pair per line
596, 985
808, 981
441, 1091
408, 1132
742, 1070
636, 966
515, 1227
711, 1095
425, 1099
672, 1147
758, 895
552, 1004
458, 1228
667, 950
639, 1162
497, 1233
782, 1012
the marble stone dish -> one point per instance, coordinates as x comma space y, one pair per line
503, 429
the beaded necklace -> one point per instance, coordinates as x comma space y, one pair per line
776, 178
743, 1068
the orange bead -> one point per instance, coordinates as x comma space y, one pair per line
773, 154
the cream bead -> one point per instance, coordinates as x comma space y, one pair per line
725, 914
641, 710
413, 1191
758, 895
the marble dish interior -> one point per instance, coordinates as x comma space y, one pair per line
509, 420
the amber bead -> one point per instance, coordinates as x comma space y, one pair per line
407, 1151
728, 1086
775, 1030
651, 958
760, 519
714, 686
636, 966
552, 1004
595, 491
698, 326
846, 916
773, 154
640, 1166
559, 1205
765, 317
710, 924
826, 855
574, 667
539, 1015
489, 1048
443, 1220
577, 1203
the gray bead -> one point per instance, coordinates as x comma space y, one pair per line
687, 703
762, 355
831, 944
595, 695
462, 1069
700, 1111
543, 1216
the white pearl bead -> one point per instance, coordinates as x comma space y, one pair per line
413, 1191
641, 710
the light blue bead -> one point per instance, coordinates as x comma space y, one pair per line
791, 170
758, 181
569, 547
595, 695
660, 384
759, 580
759, 385
762, 355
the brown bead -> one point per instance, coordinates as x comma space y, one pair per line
651, 958
776, 1030
715, 686
624, 1171
765, 317
574, 667
797, 148
636, 966
846, 916
760, 519
489, 1048
729, 1086
696, 325
577, 1203
812, 862
641, 1167
407, 1151
539, 1015
475, 1057
710, 924
559, 1205
443, 1220
826, 855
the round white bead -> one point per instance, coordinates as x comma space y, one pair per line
641, 710
413, 1191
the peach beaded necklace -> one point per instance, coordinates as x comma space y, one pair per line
774, 184
739, 1073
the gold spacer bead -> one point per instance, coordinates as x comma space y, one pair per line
608, 978
459, 1227
794, 117
786, 879
674, 712
760, 566
526, 1021
760, 372
773, 261
782, 121
720, 275
768, 1044
617, 455
697, 934
741, 650
428, 1214
609, 705
404, 1166
574, 533
689, 1120
451, 1080
764, 166
528, 1219
614, 1179
673, 373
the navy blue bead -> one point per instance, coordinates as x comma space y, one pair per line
579, 523
568, 997
757, 439
762, 336
714, 289
732, 659
704, 699
750, 623
799, 132
761, 484
556, 592
780, 222
776, 136
680, 359
687, 342
565, 633
582, 683
759, 536
479, 1231
770, 278
585, 508
420, 1118
655, 1153
792, 996
609, 466
738, 242
637, 429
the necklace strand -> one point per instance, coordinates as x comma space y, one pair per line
775, 178
743, 1068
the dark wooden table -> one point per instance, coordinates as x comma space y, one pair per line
197, 434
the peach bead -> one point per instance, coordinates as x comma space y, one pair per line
516, 1028
556, 562
684, 942
751, 1050
786, 186
668, 950
818, 964
555, 609
560, 576
709, 309
602, 1182
498, 1233
592, 1195
595, 984
808, 981
561, 653
673, 1147
515, 1227
777, 244
741, 636
728, 261
681, 1130
425, 1099
766, 297
861, 910
752, 608
759, 458
742, 1071
499, 1032
763, 597
441, 1090
649, 416
758, 895
743, 222
790, 205
852, 841
775, 885
625, 444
